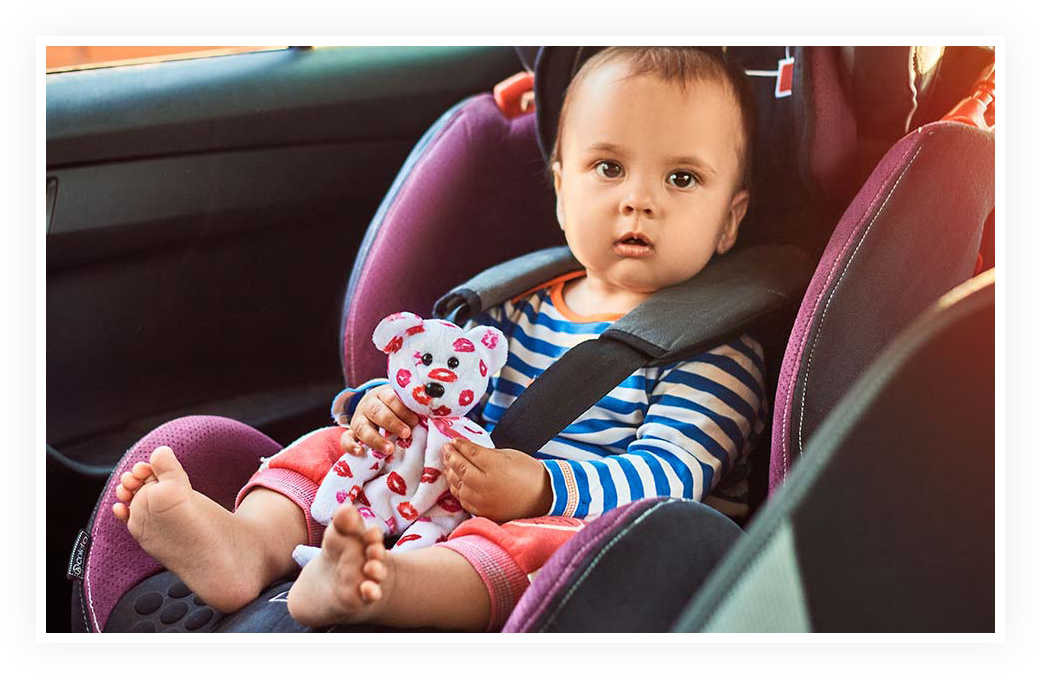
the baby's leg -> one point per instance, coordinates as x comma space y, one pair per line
223, 557
356, 579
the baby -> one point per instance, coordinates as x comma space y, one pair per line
651, 171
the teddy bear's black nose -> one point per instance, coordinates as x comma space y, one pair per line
434, 389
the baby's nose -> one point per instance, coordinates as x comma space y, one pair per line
639, 202
434, 390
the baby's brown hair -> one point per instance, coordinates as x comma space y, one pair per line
684, 66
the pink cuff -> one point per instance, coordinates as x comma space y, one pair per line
504, 579
295, 486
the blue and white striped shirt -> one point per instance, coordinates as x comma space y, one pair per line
680, 430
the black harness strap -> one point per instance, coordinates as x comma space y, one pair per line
729, 296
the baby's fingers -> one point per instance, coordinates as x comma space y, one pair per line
405, 417
368, 435
349, 443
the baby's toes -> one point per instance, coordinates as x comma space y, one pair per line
121, 511
124, 494
130, 482
375, 571
347, 521
143, 471
370, 591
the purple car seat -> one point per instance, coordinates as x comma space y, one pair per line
453, 186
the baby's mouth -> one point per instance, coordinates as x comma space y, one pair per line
633, 245
634, 238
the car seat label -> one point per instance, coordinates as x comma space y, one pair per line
785, 74
78, 558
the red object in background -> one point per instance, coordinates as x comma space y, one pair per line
977, 110
514, 96
973, 109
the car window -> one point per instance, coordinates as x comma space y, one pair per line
72, 58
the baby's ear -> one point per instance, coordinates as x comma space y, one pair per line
556, 189
390, 332
491, 346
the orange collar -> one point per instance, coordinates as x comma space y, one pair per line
556, 293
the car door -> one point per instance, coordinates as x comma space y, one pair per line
202, 219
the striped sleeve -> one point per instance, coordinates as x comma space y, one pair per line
700, 416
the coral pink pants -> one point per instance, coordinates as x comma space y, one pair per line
506, 557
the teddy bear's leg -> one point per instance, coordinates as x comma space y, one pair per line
343, 483
427, 530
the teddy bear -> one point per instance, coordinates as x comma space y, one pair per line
439, 372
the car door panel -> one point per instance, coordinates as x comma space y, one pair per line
206, 214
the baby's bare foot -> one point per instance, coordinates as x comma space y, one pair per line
350, 580
184, 530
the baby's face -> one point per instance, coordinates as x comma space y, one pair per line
646, 182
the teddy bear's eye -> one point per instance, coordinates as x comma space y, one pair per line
453, 362
427, 359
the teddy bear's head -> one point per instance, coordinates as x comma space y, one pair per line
436, 368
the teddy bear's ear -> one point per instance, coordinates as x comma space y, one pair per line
491, 346
390, 332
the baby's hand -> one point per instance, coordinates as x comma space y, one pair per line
500, 484
380, 407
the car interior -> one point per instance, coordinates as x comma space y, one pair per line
211, 223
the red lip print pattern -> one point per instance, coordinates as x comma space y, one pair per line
442, 411
393, 345
392, 525
341, 495
358, 494
448, 502
490, 339
408, 538
415, 329
396, 483
466, 398
464, 345
484, 369
405, 443
407, 511
420, 395
404, 377
429, 475
442, 374
343, 469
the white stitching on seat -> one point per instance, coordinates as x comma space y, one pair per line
834, 289
785, 456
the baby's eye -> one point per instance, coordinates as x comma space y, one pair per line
682, 180
608, 169
453, 362
427, 359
